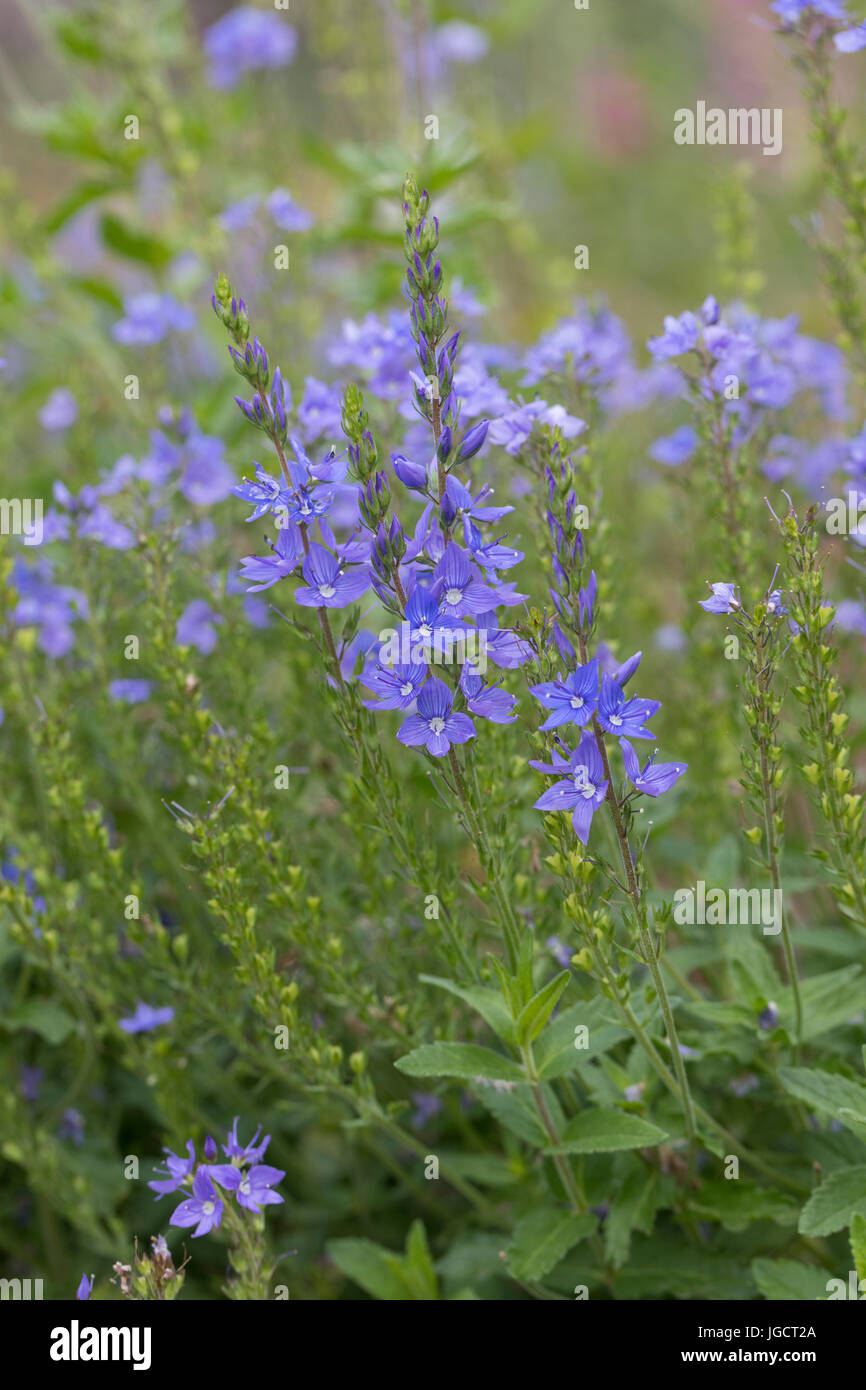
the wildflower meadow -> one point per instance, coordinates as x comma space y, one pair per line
432, 718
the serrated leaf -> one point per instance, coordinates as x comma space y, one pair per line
463, 1060
736, 1204
556, 1055
543, 1238
486, 1002
605, 1131
789, 1281
834, 1203
633, 1209
829, 1094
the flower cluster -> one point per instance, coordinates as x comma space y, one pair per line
251, 1181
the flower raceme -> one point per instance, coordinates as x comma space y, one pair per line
582, 784
251, 1181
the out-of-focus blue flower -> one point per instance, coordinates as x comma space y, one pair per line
71, 1127
426, 1106
851, 40
244, 40
288, 215
148, 318
145, 1018
793, 10
680, 335
59, 411
319, 411
459, 42
130, 692
675, 449
196, 627
30, 1081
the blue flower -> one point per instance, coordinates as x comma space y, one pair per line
656, 778
246, 1153
59, 411
253, 1187
396, 688
246, 39
146, 1018
85, 1288
196, 627
675, 449
489, 702
130, 692
435, 726
328, 584
851, 40
149, 317
264, 493
680, 335
456, 585
204, 1209
624, 718
286, 213
724, 599
176, 1170
572, 700
583, 790
266, 570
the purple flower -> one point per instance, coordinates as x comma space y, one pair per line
724, 599
145, 1018
680, 335
397, 688
248, 1153
675, 449
656, 778
768, 1017
149, 317
210, 1149
196, 627
851, 40
458, 42
435, 726
59, 411
624, 718
287, 214
207, 477
264, 493
265, 570
246, 39
30, 1081
177, 1170
85, 1288
456, 586
71, 1127
426, 1106
101, 525
489, 702
319, 412
792, 10
572, 700
560, 952
328, 584
582, 792
253, 1188
130, 692
204, 1209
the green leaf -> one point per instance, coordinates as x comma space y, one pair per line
534, 1015
828, 1093
516, 1112
543, 1237
41, 1016
633, 1209
788, 1281
486, 1002
737, 1204
833, 1204
604, 1131
418, 1266
828, 1000
556, 1054
463, 1060
133, 244
371, 1266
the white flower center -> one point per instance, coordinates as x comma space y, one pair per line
406, 688
245, 1187
305, 508
208, 1209
327, 591
577, 702
615, 720
425, 630
453, 596
437, 725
